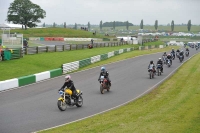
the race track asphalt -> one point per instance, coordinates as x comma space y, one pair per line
34, 107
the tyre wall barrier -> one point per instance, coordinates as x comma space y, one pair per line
84, 62
95, 58
69, 67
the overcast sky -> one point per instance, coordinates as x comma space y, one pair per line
93, 11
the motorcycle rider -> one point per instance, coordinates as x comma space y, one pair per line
181, 54
169, 57
196, 46
151, 66
177, 53
173, 52
187, 49
105, 74
164, 56
161, 63
69, 84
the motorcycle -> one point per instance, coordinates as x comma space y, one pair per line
181, 58
159, 69
164, 59
168, 62
151, 71
173, 56
197, 47
67, 100
104, 85
177, 54
187, 53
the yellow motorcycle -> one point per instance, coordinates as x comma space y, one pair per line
67, 100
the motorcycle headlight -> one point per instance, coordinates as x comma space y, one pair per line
61, 92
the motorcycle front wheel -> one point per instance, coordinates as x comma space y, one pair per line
101, 89
61, 105
79, 102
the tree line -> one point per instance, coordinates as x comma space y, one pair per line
26, 13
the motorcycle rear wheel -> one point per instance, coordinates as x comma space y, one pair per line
61, 105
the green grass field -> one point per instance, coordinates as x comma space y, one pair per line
173, 107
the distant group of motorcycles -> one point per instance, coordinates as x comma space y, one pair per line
167, 60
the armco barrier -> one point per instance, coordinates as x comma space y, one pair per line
27, 80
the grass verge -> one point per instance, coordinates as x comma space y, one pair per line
173, 107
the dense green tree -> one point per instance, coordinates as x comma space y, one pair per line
101, 25
156, 25
75, 27
189, 25
25, 12
43, 24
65, 25
54, 24
172, 25
114, 25
89, 26
141, 24
127, 25
117, 23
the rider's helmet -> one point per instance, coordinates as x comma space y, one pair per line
151, 62
103, 68
67, 78
164, 52
159, 59
168, 55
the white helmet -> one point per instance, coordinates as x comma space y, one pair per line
159, 58
67, 78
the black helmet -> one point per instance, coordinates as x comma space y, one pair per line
151, 62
